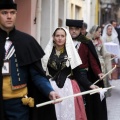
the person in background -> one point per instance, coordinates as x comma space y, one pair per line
111, 41
90, 70
84, 29
110, 34
102, 27
21, 72
114, 24
104, 56
61, 63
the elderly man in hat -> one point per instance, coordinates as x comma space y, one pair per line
21, 73
90, 69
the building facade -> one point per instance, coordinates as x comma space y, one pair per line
110, 9
40, 17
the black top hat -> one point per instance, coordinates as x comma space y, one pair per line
8, 4
74, 23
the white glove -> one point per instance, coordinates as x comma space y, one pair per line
102, 93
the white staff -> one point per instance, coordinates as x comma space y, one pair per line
105, 75
74, 95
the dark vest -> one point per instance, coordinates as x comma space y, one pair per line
19, 75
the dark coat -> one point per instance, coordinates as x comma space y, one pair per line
118, 31
28, 52
95, 109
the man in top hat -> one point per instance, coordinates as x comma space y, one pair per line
90, 69
21, 73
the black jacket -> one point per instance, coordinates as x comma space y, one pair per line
28, 52
95, 109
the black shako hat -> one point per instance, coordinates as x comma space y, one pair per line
74, 23
8, 4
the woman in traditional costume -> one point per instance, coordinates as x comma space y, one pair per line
61, 63
104, 56
110, 37
110, 34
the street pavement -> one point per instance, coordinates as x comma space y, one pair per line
113, 102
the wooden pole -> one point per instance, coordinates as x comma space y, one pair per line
105, 75
63, 98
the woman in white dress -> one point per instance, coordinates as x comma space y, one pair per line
110, 34
110, 39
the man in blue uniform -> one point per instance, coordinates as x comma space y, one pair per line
21, 72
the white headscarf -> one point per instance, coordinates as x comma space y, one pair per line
91, 32
114, 34
72, 53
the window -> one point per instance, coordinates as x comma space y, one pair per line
77, 12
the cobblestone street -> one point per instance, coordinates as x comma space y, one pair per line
113, 102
